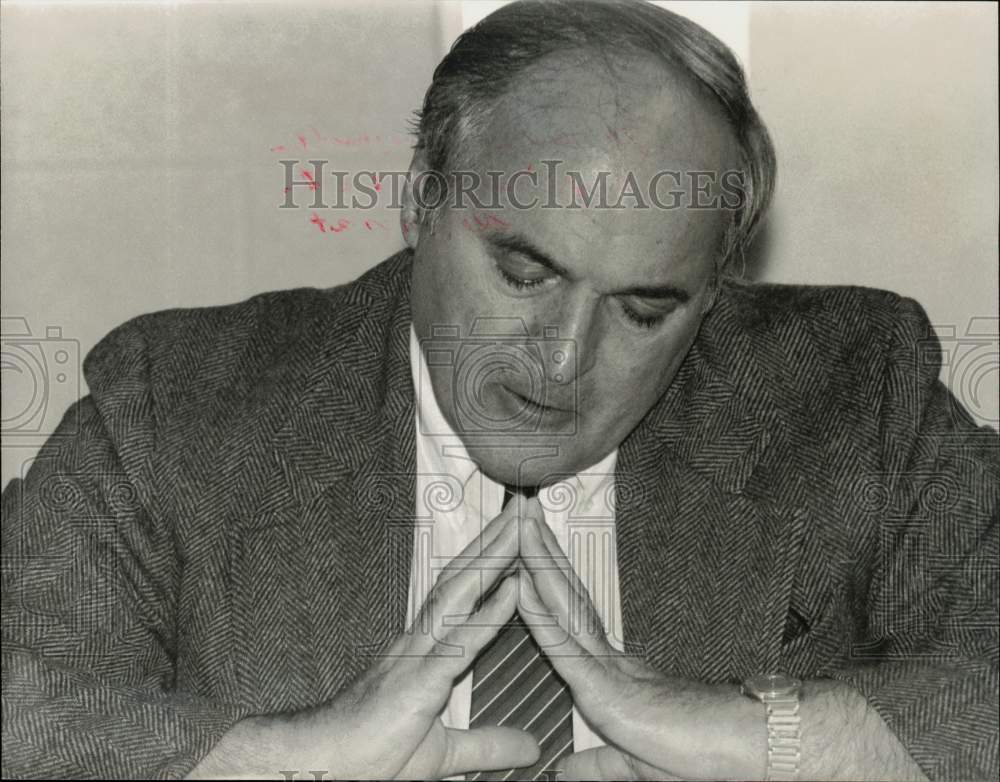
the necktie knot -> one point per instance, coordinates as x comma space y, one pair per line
509, 492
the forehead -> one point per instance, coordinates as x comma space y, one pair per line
626, 113
620, 121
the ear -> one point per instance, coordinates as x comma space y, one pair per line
712, 291
713, 295
410, 216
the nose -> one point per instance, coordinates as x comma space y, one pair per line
573, 340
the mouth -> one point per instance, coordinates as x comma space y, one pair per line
535, 407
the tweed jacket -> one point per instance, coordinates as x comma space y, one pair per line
224, 526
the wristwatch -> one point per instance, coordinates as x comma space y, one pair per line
780, 696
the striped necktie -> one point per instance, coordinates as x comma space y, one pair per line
514, 684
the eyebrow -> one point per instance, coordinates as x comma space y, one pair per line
520, 244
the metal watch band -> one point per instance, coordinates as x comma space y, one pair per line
783, 738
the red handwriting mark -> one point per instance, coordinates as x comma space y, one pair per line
318, 138
484, 221
341, 226
370, 223
307, 175
493, 220
350, 142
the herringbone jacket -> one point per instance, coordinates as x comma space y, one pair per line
223, 526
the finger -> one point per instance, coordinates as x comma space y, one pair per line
478, 545
489, 554
570, 659
519, 507
541, 552
494, 613
443, 653
557, 556
548, 631
600, 763
471, 560
453, 602
585, 622
559, 588
488, 749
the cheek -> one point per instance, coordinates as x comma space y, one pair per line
643, 371
623, 387
646, 379
447, 284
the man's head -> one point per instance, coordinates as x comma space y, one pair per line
593, 308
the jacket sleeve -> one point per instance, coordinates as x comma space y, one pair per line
925, 653
89, 589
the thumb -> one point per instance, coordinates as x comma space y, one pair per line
596, 763
607, 763
488, 749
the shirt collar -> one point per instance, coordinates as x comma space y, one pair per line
442, 449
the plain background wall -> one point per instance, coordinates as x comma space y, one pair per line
140, 147
884, 116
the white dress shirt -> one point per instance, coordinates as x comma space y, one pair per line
455, 500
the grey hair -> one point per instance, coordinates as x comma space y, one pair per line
485, 62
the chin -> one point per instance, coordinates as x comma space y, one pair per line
538, 463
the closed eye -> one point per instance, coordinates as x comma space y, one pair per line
646, 315
519, 283
643, 321
519, 272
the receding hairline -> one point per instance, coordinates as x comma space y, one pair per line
621, 72
486, 59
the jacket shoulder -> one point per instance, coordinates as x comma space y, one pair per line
191, 356
821, 353
846, 311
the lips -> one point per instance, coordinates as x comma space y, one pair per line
529, 401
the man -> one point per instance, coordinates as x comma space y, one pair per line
224, 572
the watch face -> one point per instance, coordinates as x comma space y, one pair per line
771, 685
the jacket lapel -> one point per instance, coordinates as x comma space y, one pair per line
706, 551
344, 492
384, 489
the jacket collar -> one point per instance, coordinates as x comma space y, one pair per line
346, 448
